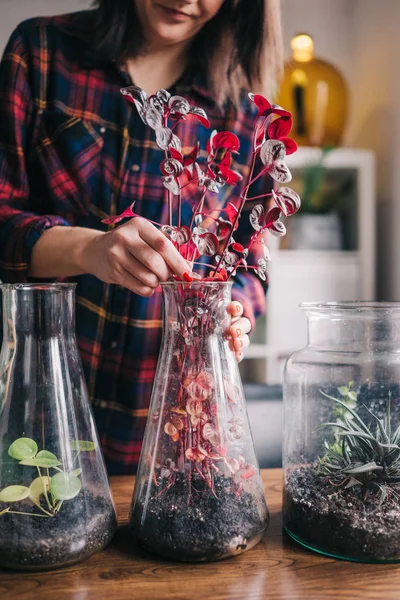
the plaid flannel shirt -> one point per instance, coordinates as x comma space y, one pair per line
72, 152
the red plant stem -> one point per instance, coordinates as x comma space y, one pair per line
189, 182
179, 212
257, 197
171, 483
250, 183
237, 216
198, 208
166, 154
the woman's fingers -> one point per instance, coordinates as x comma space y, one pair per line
149, 259
134, 285
240, 327
139, 271
235, 309
239, 344
163, 246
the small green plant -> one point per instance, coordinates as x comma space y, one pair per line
46, 492
366, 454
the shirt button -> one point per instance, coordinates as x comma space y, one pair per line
135, 168
102, 130
113, 345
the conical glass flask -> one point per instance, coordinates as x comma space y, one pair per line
198, 493
55, 502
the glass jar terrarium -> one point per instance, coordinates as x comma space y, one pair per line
55, 502
198, 493
342, 433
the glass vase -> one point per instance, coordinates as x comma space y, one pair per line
198, 493
342, 433
55, 502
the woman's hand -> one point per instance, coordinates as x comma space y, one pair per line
135, 255
240, 327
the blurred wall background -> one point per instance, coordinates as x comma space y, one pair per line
362, 38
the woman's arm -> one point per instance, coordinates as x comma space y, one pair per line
136, 255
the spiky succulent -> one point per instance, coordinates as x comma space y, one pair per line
364, 453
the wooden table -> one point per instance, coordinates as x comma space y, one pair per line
276, 569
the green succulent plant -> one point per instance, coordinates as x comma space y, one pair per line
46, 492
366, 454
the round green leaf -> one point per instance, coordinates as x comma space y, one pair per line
81, 446
65, 486
23, 448
37, 487
14, 493
46, 463
46, 454
76, 472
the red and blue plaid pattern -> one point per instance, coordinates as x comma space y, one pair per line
72, 152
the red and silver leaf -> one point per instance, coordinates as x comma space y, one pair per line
207, 243
280, 172
290, 145
225, 139
236, 247
279, 201
210, 141
256, 217
274, 214
189, 251
153, 118
211, 185
261, 269
179, 235
138, 97
266, 252
163, 96
171, 184
288, 198
164, 137
231, 210
175, 143
231, 177
128, 212
179, 104
277, 229
224, 228
192, 156
272, 151
176, 154
155, 103
278, 110
280, 128
263, 105
200, 114
230, 258
183, 235
171, 166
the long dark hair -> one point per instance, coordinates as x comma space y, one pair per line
240, 47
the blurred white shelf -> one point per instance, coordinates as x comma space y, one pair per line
297, 276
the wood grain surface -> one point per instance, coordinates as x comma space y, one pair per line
276, 569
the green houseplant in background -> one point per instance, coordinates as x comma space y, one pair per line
318, 225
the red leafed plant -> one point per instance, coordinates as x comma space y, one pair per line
192, 436
211, 232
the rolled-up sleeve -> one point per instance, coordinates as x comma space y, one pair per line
21, 223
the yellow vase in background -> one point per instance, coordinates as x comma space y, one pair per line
316, 94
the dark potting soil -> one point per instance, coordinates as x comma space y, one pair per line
206, 527
346, 523
83, 526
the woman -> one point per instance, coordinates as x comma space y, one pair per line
72, 152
